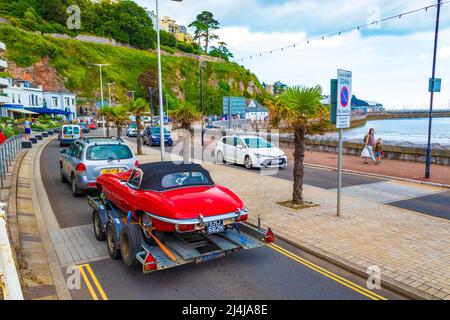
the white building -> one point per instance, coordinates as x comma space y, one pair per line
24, 98
255, 111
63, 101
3, 81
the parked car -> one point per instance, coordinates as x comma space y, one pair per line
152, 136
68, 134
168, 197
84, 127
93, 126
147, 120
131, 130
88, 158
251, 151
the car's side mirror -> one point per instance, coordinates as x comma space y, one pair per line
240, 147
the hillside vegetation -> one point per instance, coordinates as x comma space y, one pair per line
130, 69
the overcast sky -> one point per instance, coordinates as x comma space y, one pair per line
390, 64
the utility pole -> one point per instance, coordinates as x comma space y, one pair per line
430, 121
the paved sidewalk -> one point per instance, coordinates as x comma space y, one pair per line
411, 249
394, 168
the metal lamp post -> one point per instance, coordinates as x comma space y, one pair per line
429, 151
109, 93
101, 65
201, 100
161, 106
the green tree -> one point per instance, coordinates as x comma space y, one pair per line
297, 108
106, 112
204, 26
183, 118
29, 20
221, 51
119, 116
137, 108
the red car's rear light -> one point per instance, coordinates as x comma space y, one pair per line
80, 167
185, 227
92, 184
137, 163
242, 218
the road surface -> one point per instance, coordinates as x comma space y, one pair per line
271, 272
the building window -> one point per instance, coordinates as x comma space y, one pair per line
55, 102
13, 98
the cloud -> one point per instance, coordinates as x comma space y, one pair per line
444, 52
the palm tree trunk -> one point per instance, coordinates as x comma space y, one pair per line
299, 156
138, 139
119, 130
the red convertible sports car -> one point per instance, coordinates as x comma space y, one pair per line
169, 197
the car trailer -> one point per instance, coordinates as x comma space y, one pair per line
125, 240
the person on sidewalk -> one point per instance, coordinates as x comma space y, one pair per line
378, 149
27, 125
369, 142
2, 136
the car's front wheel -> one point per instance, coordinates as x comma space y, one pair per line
248, 163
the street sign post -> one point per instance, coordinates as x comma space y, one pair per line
343, 116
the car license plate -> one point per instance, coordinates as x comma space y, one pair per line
111, 171
209, 257
215, 227
67, 136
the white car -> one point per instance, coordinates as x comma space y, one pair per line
251, 151
131, 130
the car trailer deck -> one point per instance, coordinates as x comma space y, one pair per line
124, 239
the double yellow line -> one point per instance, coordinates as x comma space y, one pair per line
365, 292
86, 267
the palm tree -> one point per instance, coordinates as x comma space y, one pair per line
119, 116
296, 108
137, 108
106, 113
183, 118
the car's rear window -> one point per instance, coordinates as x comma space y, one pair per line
109, 152
71, 130
184, 179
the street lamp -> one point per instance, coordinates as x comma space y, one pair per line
101, 65
201, 98
109, 93
161, 107
430, 121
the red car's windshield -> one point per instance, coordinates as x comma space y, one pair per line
180, 180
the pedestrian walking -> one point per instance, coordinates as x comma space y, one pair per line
2, 136
369, 142
27, 125
378, 149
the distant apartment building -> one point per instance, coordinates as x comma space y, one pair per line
169, 25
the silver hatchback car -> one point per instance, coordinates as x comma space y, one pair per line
87, 158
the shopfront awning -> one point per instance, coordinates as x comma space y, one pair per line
22, 111
48, 111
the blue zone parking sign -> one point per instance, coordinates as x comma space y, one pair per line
344, 105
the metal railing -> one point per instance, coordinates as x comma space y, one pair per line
8, 151
9, 277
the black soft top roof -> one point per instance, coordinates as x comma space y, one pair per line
154, 172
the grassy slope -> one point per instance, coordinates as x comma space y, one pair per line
70, 58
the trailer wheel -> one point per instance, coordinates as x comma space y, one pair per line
130, 243
114, 253
98, 228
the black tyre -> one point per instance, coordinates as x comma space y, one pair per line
98, 228
248, 163
75, 190
130, 243
220, 157
61, 176
114, 253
